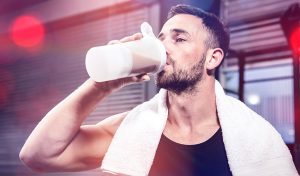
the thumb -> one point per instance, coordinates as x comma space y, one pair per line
142, 78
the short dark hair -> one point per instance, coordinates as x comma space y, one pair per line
219, 36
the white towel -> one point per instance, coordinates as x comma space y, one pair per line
252, 145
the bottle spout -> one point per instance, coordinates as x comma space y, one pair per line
146, 30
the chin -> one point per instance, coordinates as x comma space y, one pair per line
161, 79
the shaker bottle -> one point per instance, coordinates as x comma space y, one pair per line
109, 62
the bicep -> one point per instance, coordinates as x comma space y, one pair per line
89, 146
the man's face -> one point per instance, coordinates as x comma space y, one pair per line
183, 37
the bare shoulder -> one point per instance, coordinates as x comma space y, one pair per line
112, 123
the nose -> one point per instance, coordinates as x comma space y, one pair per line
167, 46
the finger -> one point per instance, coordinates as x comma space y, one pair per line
135, 79
145, 77
113, 42
133, 37
137, 36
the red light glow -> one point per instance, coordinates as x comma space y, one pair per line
27, 31
295, 40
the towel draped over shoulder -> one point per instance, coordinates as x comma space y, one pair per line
253, 146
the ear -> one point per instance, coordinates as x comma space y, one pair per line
214, 58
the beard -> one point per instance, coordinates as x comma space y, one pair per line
181, 80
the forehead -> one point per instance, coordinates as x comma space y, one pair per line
190, 23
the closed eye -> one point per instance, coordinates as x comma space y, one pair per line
180, 40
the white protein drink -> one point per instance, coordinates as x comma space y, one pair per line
109, 62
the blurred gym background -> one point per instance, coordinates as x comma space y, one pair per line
43, 45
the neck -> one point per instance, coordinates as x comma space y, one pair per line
191, 111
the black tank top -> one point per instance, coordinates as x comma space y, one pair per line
204, 159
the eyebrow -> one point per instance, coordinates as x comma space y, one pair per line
177, 31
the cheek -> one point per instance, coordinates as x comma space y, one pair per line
191, 55
186, 55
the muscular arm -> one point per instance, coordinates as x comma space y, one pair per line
60, 142
59, 139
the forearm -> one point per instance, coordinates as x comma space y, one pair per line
58, 136
57, 129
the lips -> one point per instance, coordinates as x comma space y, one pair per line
168, 61
168, 64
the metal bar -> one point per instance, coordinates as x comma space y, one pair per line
269, 79
232, 53
241, 60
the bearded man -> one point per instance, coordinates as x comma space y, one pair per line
204, 132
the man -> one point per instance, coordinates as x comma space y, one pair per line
191, 142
